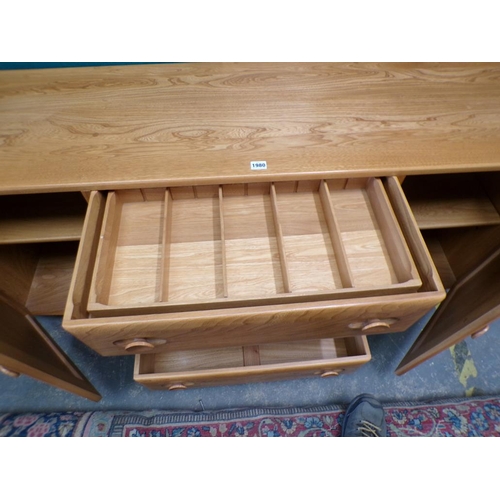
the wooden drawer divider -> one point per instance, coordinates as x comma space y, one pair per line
165, 245
279, 239
223, 243
336, 237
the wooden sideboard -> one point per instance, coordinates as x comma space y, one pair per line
227, 223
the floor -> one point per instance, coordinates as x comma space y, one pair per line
470, 368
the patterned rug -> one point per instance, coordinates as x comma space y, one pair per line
457, 417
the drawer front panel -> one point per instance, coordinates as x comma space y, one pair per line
190, 369
258, 325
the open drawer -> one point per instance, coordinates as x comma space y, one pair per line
326, 357
226, 247
244, 264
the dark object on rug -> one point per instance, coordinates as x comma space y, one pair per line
453, 417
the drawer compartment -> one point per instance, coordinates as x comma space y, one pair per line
248, 264
237, 365
226, 249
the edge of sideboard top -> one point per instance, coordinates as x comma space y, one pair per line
143, 126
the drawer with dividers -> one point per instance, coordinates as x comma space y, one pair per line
241, 264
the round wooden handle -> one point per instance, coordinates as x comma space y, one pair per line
176, 387
138, 346
372, 323
329, 374
375, 324
480, 333
8, 372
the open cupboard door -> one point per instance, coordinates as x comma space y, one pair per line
472, 303
25, 348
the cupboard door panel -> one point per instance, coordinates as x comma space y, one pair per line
472, 303
25, 348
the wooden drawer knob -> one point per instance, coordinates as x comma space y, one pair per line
176, 387
331, 373
370, 324
138, 346
375, 324
8, 372
480, 333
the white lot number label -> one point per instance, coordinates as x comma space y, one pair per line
258, 165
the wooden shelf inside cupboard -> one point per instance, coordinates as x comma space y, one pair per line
447, 201
36, 218
207, 247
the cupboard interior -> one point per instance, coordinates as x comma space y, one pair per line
38, 275
453, 200
47, 217
459, 215
39, 235
186, 248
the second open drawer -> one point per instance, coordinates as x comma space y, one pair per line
326, 357
166, 268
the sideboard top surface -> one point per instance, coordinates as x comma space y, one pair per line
179, 124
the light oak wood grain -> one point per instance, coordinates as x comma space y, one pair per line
96, 310
335, 236
66, 128
252, 253
195, 251
129, 258
193, 127
139, 223
225, 292
129, 270
279, 240
372, 253
207, 239
50, 286
251, 355
136, 275
79, 291
260, 324
395, 243
309, 252
166, 238
308, 350
421, 256
149, 317
18, 264
233, 365
102, 267
201, 359
38, 276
